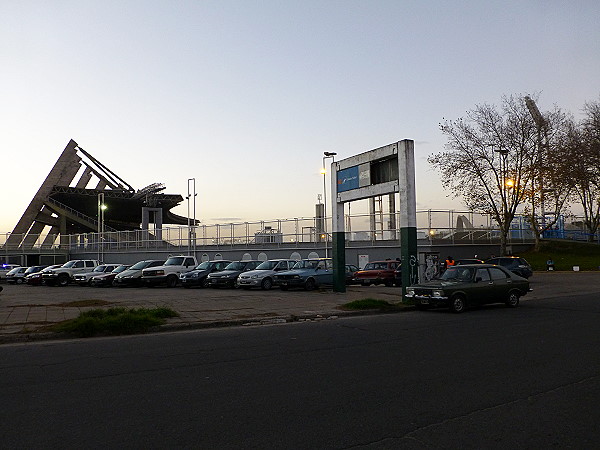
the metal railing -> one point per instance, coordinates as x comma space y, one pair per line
433, 226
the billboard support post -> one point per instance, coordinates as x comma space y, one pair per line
385, 170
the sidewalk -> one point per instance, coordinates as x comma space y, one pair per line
26, 310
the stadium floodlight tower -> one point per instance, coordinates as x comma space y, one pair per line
385, 170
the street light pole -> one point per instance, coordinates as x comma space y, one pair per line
191, 226
101, 209
324, 172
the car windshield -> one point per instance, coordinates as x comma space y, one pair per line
120, 269
267, 265
99, 269
458, 274
203, 265
69, 264
175, 261
237, 265
140, 265
306, 264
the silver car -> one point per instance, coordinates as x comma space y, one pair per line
262, 276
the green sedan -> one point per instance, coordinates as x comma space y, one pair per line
466, 285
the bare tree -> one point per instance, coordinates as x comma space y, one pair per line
488, 159
583, 151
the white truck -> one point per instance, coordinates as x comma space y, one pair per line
169, 272
64, 274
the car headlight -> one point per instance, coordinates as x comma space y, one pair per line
410, 291
438, 293
254, 277
297, 277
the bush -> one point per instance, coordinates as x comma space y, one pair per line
115, 321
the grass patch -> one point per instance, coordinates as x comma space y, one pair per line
371, 303
565, 255
114, 321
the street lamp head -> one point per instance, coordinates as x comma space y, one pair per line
103, 207
329, 153
323, 171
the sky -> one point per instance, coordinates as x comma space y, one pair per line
245, 96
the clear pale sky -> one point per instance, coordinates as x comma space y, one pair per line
245, 96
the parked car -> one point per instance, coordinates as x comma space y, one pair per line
351, 269
228, 276
462, 262
133, 275
262, 276
19, 276
106, 279
515, 264
16, 275
308, 274
378, 272
169, 272
199, 276
64, 274
5, 268
35, 279
84, 279
463, 286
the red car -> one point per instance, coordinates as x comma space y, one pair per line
378, 272
106, 279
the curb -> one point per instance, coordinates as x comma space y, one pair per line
18, 338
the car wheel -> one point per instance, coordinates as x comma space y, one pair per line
19, 281
63, 279
513, 300
171, 281
388, 283
458, 304
266, 284
309, 284
204, 282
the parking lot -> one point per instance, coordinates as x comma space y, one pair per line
26, 309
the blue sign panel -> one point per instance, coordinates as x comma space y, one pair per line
347, 179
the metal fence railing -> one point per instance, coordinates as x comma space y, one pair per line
435, 226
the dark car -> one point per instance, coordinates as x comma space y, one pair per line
35, 279
462, 262
463, 286
106, 279
228, 276
199, 276
133, 275
351, 269
513, 263
308, 274
378, 272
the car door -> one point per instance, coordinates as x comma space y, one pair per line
483, 290
501, 283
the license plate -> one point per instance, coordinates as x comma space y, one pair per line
283, 283
424, 301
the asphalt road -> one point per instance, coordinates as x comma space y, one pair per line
492, 377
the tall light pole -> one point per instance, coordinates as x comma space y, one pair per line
324, 172
101, 208
191, 226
